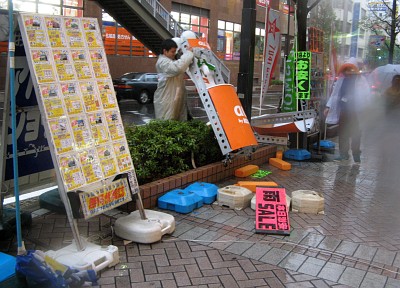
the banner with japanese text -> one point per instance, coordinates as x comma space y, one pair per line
303, 75
289, 102
272, 45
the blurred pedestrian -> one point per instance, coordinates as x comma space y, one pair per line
391, 96
170, 98
349, 98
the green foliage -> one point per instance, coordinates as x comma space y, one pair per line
164, 148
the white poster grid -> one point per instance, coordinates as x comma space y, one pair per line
58, 44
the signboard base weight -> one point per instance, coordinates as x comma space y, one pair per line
94, 256
150, 230
7, 226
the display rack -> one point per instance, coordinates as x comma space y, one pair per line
81, 117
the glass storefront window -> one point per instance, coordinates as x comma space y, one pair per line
192, 18
118, 41
51, 7
228, 47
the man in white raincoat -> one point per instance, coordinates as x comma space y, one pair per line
170, 99
349, 98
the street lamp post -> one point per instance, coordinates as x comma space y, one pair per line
246, 64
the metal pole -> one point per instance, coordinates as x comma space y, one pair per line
246, 64
11, 52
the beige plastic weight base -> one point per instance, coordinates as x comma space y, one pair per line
150, 230
92, 257
307, 201
234, 197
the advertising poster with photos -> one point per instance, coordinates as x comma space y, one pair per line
78, 97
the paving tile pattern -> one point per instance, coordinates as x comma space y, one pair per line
356, 242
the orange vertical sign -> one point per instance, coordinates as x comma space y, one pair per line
232, 116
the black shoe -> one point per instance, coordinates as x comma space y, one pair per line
356, 158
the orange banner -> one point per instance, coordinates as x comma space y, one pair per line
232, 116
200, 43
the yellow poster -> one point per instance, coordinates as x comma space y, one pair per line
98, 127
121, 151
107, 160
69, 89
33, 22
35, 30
54, 107
61, 135
81, 63
73, 104
81, 132
100, 70
65, 70
82, 70
90, 24
89, 95
90, 165
71, 172
49, 90
107, 94
75, 39
56, 35
115, 126
74, 33
41, 56
44, 73
93, 39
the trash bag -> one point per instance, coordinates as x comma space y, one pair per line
42, 271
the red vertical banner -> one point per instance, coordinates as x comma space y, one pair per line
272, 215
271, 48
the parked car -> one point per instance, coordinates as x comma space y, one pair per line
136, 85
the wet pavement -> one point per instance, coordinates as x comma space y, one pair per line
355, 243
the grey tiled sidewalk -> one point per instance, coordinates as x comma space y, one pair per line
356, 243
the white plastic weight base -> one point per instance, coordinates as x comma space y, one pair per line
93, 257
150, 230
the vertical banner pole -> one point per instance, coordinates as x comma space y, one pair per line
11, 52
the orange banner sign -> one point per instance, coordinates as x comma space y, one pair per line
232, 116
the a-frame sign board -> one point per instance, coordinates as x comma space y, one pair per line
80, 114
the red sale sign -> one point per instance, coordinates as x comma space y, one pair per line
272, 215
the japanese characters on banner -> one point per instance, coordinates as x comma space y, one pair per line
272, 44
80, 106
289, 103
303, 75
272, 214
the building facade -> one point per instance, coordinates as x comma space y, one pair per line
219, 22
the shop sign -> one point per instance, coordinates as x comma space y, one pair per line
303, 74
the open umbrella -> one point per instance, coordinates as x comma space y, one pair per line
381, 78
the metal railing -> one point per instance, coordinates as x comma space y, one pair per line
165, 19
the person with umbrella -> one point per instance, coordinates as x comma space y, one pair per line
349, 98
392, 94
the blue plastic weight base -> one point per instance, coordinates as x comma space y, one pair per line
297, 154
7, 266
207, 191
325, 144
180, 201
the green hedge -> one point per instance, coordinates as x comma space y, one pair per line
164, 148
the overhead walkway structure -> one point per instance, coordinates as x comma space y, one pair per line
150, 23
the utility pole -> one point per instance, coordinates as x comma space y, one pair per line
246, 64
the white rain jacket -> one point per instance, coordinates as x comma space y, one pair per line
170, 96
362, 99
